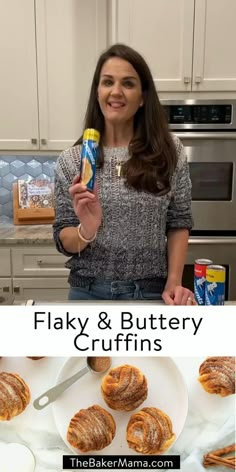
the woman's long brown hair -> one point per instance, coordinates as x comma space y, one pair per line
152, 151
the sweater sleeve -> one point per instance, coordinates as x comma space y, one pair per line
179, 213
64, 211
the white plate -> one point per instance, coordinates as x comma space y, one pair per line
166, 391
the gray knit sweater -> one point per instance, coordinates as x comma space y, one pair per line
131, 242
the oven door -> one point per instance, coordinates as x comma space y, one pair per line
222, 251
212, 163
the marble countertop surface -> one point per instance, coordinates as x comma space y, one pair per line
30, 234
26, 234
210, 422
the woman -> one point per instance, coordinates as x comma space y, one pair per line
134, 227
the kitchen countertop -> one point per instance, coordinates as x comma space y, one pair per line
32, 234
26, 234
210, 422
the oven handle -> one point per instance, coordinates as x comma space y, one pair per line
205, 135
215, 240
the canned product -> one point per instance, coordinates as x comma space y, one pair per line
215, 285
89, 154
200, 279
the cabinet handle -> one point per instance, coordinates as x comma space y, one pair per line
198, 79
186, 80
16, 289
34, 141
6, 289
43, 141
42, 263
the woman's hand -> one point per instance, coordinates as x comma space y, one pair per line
87, 207
178, 295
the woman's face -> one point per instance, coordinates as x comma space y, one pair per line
119, 91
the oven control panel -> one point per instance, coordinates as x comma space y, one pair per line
195, 114
199, 114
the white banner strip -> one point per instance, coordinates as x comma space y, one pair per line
117, 329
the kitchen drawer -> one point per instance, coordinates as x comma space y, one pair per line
38, 262
41, 289
5, 265
5, 291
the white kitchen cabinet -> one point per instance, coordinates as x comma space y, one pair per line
5, 265
18, 81
34, 272
5, 291
162, 31
48, 52
189, 44
40, 289
39, 273
214, 58
5, 276
38, 261
70, 36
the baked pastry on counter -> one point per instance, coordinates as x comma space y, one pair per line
217, 375
124, 388
14, 395
149, 431
91, 429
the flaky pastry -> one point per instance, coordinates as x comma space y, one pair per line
91, 429
14, 395
217, 375
124, 388
149, 431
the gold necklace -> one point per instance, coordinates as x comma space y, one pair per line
119, 168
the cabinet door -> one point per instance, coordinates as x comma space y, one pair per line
214, 66
38, 262
40, 289
18, 81
70, 36
162, 31
5, 265
5, 291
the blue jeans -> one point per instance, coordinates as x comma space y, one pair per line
119, 290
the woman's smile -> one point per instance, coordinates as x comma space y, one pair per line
116, 105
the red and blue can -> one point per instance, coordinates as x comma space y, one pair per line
215, 285
200, 267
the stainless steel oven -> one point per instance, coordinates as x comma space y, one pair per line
207, 130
